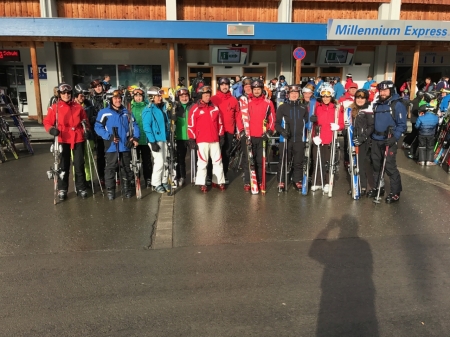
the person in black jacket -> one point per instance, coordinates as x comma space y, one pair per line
411, 141
362, 121
97, 100
290, 124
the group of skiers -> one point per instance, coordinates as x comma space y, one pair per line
211, 125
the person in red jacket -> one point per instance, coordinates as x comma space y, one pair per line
345, 101
348, 81
69, 116
206, 135
325, 117
257, 110
229, 113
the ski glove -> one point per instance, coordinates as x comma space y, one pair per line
313, 119
358, 141
317, 140
334, 127
193, 144
129, 144
266, 136
87, 134
155, 147
286, 134
54, 132
221, 140
390, 141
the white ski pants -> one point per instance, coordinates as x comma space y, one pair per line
204, 152
160, 168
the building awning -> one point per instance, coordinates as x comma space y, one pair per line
61, 28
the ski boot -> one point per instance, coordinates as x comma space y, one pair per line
374, 192
62, 195
159, 189
167, 187
281, 187
392, 197
298, 186
181, 182
83, 194
208, 181
247, 187
111, 193
127, 189
204, 188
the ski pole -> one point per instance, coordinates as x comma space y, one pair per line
95, 166
116, 136
286, 168
377, 199
193, 166
83, 123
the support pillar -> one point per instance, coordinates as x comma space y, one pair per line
172, 65
415, 68
37, 87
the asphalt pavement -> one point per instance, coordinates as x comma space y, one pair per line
241, 265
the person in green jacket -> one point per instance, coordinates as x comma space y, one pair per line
143, 150
183, 104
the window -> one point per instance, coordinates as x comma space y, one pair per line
83, 73
142, 76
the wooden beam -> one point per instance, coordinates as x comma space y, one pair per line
415, 68
37, 87
172, 65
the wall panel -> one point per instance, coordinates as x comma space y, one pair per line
230, 10
20, 8
424, 12
113, 9
320, 12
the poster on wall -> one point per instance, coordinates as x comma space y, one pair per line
229, 54
335, 56
141, 76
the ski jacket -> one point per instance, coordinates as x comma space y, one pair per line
155, 122
385, 117
205, 124
70, 115
97, 102
429, 87
368, 84
325, 116
441, 85
107, 119
228, 109
363, 122
427, 123
244, 100
443, 107
345, 101
415, 109
318, 88
237, 89
257, 109
339, 90
281, 93
137, 109
348, 82
182, 112
405, 86
294, 115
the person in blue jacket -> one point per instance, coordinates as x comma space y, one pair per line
339, 89
117, 116
389, 124
426, 123
445, 101
368, 83
155, 121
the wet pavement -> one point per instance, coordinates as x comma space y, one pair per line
241, 265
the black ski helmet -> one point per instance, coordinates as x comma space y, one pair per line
257, 84
420, 94
386, 85
224, 80
429, 96
362, 93
81, 88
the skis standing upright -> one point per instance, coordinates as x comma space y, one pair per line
353, 167
55, 172
15, 115
251, 159
6, 139
332, 166
135, 163
308, 146
172, 149
263, 182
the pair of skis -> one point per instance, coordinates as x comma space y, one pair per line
353, 150
55, 171
135, 164
172, 147
439, 149
333, 162
6, 140
308, 146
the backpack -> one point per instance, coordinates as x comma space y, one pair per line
197, 84
407, 105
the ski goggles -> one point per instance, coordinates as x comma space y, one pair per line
224, 80
294, 88
138, 92
360, 95
325, 93
182, 92
205, 90
64, 88
116, 93
159, 92
257, 84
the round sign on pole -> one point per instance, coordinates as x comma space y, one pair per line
299, 53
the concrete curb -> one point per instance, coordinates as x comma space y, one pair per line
164, 223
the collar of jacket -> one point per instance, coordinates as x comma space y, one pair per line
258, 99
138, 104
294, 103
223, 96
202, 104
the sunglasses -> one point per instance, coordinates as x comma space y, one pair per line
360, 96
66, 93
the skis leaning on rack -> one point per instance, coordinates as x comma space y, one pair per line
353, 167
6, 140
135, 163
18, 122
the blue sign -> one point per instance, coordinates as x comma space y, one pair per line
42, 71
299, 53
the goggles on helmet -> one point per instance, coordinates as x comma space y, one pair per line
116, 93
181, 92
360, 95
64, 87
138, 92
325, 93
383, 86
224, 80
159, 92
294, 88
205, 90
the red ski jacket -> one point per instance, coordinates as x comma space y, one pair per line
348, 82
205, 124
69, 125
228, 109
325, 116
257, 109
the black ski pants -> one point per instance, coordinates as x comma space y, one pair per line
111, 164
296, 155
182, 149
257, 150
78, 164
426, 148
143, 151
377, 156
101, 161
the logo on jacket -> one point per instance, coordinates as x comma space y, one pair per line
201, 112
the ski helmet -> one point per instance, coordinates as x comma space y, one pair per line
429, 96
257, 84
112, 92
224, 80
246, 81
63, 88
327, 90
362, 93
154, 91
294, 88
137, 91
420, 94
308, 88
205, 90
81, 88
386, 85
282, 78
